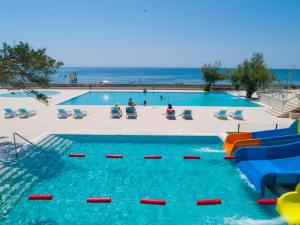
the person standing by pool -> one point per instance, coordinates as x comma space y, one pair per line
161, 97
145, 103
131, 102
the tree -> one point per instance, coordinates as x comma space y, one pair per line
211, 74
252, 74
22, 66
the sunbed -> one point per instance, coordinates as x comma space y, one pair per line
170, 114
131, 112
187, 114
78, 114
115, 112
238, 114
9, 113
63, 114
222, 114
23, 113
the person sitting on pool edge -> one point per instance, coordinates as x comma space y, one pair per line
131, 102
170, 108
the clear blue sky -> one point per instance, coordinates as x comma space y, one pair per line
171, 33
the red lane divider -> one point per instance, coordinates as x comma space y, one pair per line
229, 157
114, 156
153, 201
40, 197
76, 155
191, 157
266, 201
152, 157
98, 200
209, 202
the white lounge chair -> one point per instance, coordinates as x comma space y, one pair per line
238, 114
63, 114
187, 114
115, 112
170, 114
9, 113
78, 114
24, 113
222, 114
131, 112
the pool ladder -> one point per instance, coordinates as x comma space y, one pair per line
23, 138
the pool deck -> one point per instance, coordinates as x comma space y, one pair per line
150, 119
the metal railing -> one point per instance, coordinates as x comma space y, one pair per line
24, 139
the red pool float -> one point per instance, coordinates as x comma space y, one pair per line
153, 201
152, 157
114, 156
266, 201
98, 200
76, 155
209, 202
40, 197
191, 157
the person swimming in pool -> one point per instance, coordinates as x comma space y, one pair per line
161, 97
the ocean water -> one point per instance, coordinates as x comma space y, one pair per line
146, 75
180, 182
154, 98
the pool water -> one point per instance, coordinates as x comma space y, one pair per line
180, 182
22, 94
154, 98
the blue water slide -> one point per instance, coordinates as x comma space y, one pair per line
270, 165
267, 152
293, 129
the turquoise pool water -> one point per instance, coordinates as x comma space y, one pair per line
180, 182
21, 94
154, 98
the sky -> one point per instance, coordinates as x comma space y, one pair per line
156, 33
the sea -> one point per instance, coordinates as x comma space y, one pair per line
151, 75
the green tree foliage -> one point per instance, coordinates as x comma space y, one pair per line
252, 74
211, 74
22, 66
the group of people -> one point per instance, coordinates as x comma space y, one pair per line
132, 104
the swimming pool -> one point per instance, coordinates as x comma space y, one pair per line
180, 182
154, 98
22, 94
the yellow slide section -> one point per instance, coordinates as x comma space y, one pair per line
236, 140
288, 206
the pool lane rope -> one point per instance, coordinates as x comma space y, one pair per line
45, 197
229, 157
191, 157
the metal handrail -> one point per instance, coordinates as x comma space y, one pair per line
23, 138
286, 101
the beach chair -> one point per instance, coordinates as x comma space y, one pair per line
9, 113
222, 114
187, 114
170, 114
131, 113
115, 112
238, 114
78, 114
63, 114
24, 113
